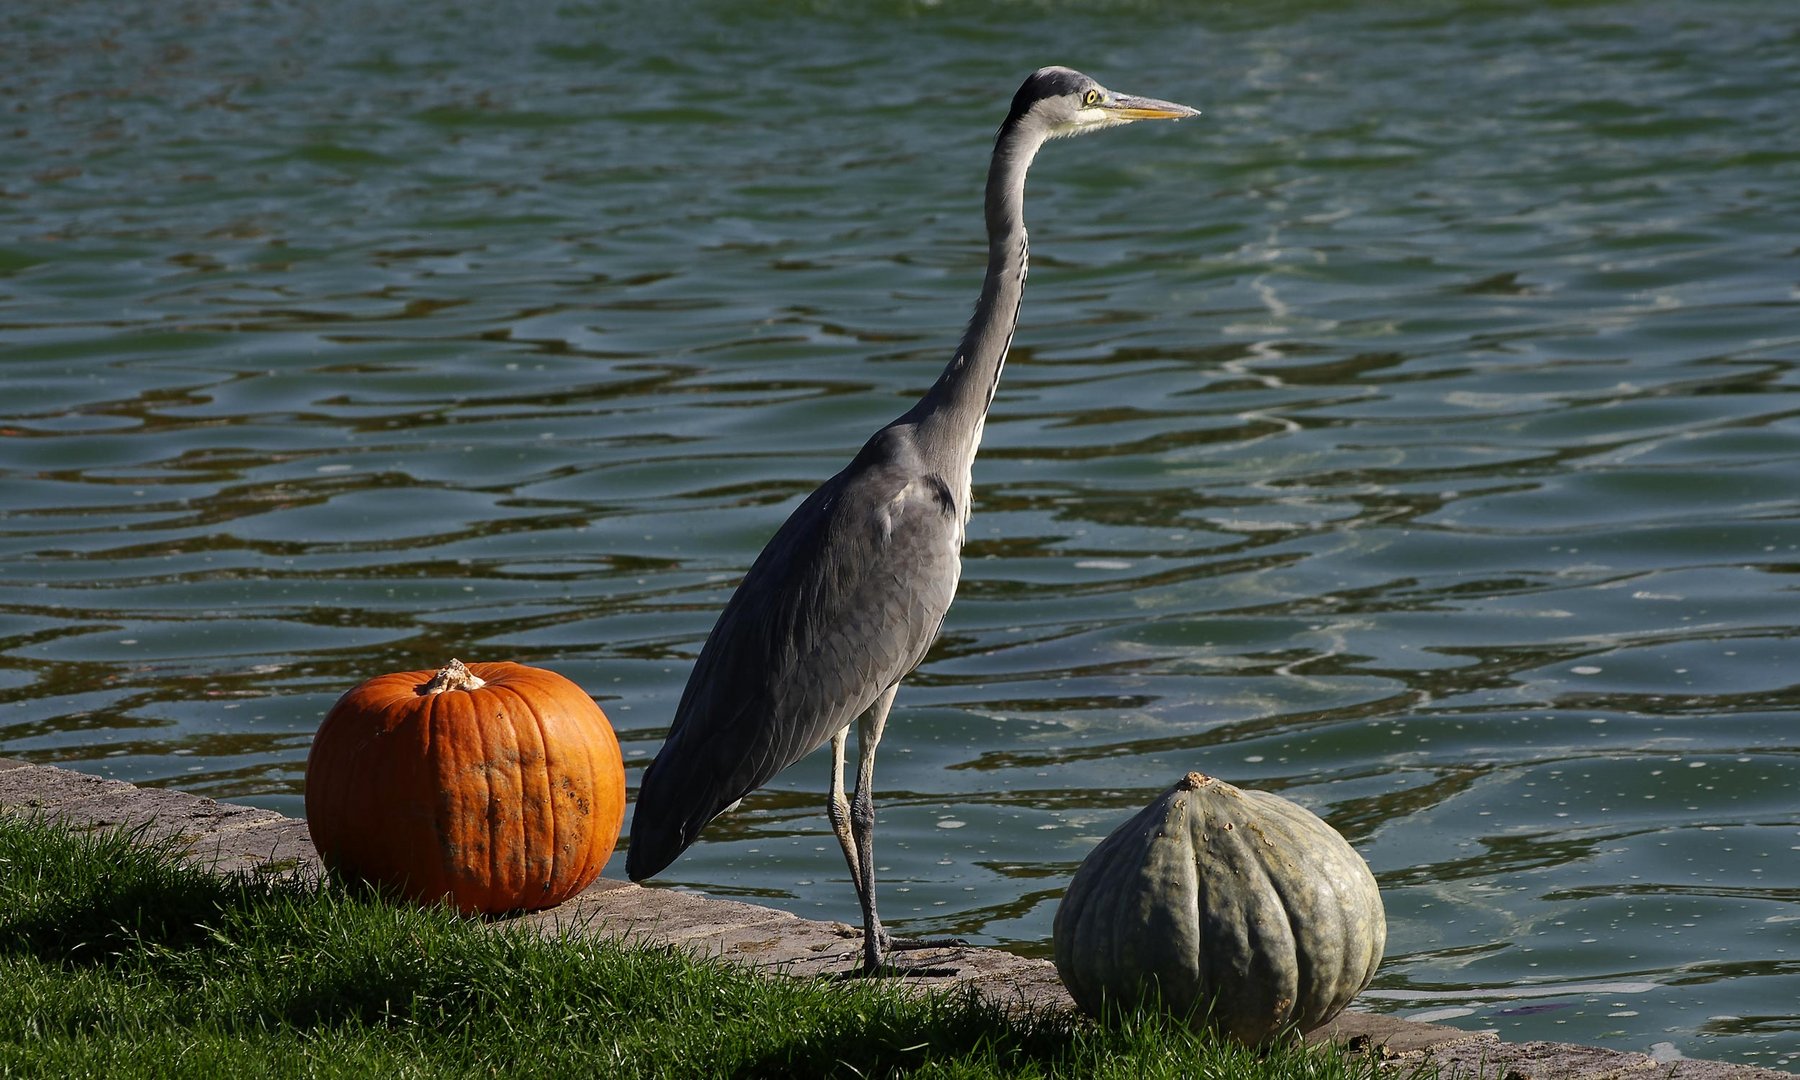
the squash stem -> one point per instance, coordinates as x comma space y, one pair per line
452, 676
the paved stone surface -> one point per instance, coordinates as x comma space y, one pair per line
230, 838
1390, 1037
1540, 1061
1689, 1069
1495, 1060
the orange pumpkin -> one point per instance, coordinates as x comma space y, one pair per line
494, 787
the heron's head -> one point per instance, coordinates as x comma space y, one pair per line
1057, 101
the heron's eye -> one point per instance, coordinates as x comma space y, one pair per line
1091, 98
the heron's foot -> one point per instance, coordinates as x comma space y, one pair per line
914, 944
877, 962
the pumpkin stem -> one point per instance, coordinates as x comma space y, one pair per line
453, 676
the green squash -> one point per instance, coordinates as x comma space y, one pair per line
1235, 909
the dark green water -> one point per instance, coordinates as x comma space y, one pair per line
1414, 433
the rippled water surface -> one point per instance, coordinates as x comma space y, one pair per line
1413, 434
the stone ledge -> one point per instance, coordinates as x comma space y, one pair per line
228, 838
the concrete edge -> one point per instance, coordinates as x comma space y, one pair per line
228, 838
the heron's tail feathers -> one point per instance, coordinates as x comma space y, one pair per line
653, 846
674, 803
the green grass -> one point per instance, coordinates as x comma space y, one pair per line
118, 961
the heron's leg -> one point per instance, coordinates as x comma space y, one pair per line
838, 809
862, 824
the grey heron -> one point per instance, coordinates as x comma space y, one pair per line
851, 591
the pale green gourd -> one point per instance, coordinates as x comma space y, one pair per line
1238, 909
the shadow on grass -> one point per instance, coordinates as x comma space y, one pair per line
91, 897
881, 1042
111, 899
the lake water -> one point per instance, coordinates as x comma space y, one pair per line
1413, 434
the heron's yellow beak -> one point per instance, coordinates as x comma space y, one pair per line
1132, 107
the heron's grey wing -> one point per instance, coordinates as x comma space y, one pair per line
841, 604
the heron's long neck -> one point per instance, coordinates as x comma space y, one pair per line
950, 416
